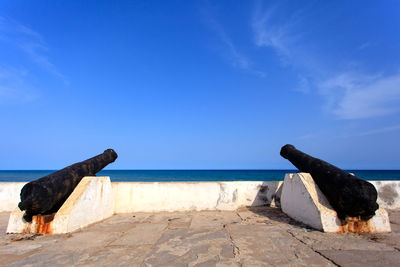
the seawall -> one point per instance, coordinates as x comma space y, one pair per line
184, 196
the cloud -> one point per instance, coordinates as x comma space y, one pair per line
28, 41
273, 30
13, 86
347, 95
382, 130
304, 85
359, 96
268, 34
364, 46
308, 136
230, 51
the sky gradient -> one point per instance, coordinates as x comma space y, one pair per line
198, 84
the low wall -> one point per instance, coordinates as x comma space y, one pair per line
181, 196
9, 195
172, 196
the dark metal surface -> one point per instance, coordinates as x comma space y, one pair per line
347, 194
47, 194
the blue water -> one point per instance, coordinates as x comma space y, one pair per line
191, 175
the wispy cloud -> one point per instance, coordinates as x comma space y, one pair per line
347, 95
230, 50
28, 41
269, 34
356, 96
307, 136
382, 130
364, 45
13, 86
304, 85
277, 32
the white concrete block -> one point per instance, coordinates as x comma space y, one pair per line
91, 201
303, 201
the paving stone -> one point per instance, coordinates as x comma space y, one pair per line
213, 219
264, 216
363, 258
394, 218
165, 217
141, 234
246, 237
179, 222
118, 256
82, 241
116, 223
321, 241
53, 259
271, 245
188, 247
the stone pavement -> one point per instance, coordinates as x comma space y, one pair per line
246, 237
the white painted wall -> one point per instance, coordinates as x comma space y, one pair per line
9, 195
174, 196
181, 196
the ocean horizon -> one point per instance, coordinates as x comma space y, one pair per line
192, 175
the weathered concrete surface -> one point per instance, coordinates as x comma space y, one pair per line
90, 202
246, 237
193, 196
388, 194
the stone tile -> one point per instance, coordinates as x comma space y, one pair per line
261, 245
340, 241
363, 258
7, 259
19, 248
390, 239
248, 237
264, 216
166, 217
214, 219
117, 223
141, 234
182, 222
52, 259
187, 247
394, 218
117, 256
81, 241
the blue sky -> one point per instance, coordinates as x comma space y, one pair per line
199, 84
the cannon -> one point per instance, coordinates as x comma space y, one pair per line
47, 194
347, 194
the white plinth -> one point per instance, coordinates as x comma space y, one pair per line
91, 201
303, 201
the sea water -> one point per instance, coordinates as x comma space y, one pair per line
191, 175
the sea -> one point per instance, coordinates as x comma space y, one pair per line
191, 175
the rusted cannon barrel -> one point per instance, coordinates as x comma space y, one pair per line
347, 194
47, 194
